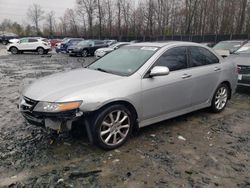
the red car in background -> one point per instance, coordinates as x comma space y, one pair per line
54, 42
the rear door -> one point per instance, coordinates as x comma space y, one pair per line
32, 44
206, 70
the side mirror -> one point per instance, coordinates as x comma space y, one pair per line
231, 51
159, 71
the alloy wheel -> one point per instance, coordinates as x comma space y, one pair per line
14, 50
221, 98
84, 53
115, 127
40, 51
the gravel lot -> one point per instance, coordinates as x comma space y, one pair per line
200, 149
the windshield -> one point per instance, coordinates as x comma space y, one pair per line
124, 61
244, 49
227, 45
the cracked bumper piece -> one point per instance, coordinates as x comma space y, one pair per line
56, 121
61, 120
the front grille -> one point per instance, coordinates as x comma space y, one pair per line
244, 69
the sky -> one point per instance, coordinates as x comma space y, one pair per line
16, 10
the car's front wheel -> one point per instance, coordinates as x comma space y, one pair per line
40, 51
14, 50
220, 98
84, 53
112, 127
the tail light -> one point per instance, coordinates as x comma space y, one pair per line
238, 69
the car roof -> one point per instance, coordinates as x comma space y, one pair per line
234, 41
163, 44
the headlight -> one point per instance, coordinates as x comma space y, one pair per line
56, 107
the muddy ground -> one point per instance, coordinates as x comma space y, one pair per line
215, 152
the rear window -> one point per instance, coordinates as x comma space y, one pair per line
200, 56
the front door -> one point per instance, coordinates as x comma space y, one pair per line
170, 93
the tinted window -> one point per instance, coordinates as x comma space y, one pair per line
174, 59
32, 40
99, 42
24, 40
200, 56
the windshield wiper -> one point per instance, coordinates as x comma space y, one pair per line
102, 70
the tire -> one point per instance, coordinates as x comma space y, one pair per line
220, 98
110, 133
5, 42
40, 51
84, 53
14, 50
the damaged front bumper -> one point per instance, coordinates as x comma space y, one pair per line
60, 121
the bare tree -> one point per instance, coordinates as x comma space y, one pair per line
51, 22
89, 6
35, 14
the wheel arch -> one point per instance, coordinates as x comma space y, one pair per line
13, 47
40, 47
125, 103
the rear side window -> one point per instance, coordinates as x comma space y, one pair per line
99, 43
32, 40
200, 56
174, 59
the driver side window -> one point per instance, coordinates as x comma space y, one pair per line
174, 59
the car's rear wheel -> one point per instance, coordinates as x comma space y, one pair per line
14, 50
84, 53
5, 42
220, 98
112, 127
40, 51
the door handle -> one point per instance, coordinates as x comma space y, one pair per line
217, 68
184, 76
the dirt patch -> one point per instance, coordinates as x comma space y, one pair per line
214, 149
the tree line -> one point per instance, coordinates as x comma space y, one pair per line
129, 18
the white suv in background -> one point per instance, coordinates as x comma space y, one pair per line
33, 44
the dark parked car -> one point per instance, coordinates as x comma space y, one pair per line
71, 47
87, 47
4, 39
66, 43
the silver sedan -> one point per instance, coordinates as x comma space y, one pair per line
132, 87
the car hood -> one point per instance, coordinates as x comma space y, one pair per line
105, 49
240, 59
223, 52
55, 87
13, 40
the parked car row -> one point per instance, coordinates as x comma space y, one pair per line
237, 51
